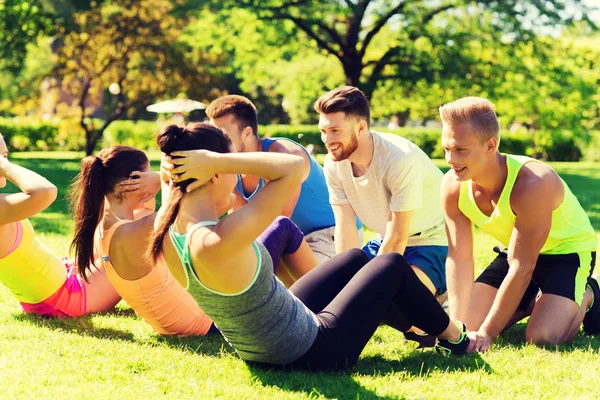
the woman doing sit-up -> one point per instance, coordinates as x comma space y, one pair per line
107, 220
42, 283
327, 317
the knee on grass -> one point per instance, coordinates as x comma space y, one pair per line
543, 336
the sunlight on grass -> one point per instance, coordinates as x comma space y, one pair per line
116, 355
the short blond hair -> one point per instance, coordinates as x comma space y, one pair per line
478, 112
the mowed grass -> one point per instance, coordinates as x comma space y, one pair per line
116, 355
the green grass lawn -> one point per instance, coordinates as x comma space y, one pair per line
116, 355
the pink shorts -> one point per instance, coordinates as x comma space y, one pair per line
68, 301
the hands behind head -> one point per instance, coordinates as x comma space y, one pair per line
147, 183
180, 166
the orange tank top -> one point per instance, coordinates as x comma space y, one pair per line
157, 297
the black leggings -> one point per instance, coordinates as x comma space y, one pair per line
351, 295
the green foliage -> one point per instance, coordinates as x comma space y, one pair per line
26, 135
376, 40
140, 134
133, 44
21, 22
19, 92
29, 135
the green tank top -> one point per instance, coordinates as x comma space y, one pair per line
571, 230
264, 322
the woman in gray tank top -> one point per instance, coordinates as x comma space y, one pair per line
326, 318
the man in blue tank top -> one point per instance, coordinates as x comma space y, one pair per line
309, 208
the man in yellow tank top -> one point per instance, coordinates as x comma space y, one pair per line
528, 208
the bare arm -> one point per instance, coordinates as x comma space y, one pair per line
396, 232
243, 226
37, 193
532, 226
459, 264
291, 148
346, 234
239, 201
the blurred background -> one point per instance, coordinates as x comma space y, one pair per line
80, 74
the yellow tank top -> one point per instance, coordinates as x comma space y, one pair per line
32, 272
571, 230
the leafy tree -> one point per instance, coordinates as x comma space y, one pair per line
131, 45
21, 22
349, 29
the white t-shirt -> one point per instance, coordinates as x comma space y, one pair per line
400, 178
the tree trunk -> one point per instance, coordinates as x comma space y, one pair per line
353, 71
402, 117
91, 140
90, 145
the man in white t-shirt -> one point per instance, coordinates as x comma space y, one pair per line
388, 182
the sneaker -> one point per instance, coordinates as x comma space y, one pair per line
424, 340
449, 347
591, 321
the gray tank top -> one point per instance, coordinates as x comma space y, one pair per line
265, 322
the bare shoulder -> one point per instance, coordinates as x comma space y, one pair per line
288, 147
537, 182
536, 176
450, 186
131, 232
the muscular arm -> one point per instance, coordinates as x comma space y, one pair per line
533, 199
346, 235
459, 264
285, 147
396, 232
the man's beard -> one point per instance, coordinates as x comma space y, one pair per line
347, 149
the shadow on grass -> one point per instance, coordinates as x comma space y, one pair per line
420, 363
514, 338
334, 385
126, 312
342, 384
213, 344
82, 326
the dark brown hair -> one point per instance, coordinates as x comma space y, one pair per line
98, 177
239, 106
347, 99
194, 136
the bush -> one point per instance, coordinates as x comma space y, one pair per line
139, 134
28, 135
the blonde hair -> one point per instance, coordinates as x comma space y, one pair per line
476, 111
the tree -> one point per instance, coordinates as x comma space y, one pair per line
131, 45
21, 22
348, 29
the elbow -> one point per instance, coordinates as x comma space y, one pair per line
521, 270
47, 195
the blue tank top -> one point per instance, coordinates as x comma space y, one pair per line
313, 211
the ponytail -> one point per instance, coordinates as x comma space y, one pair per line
171, 138
166, 220
87, 202
99, 176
